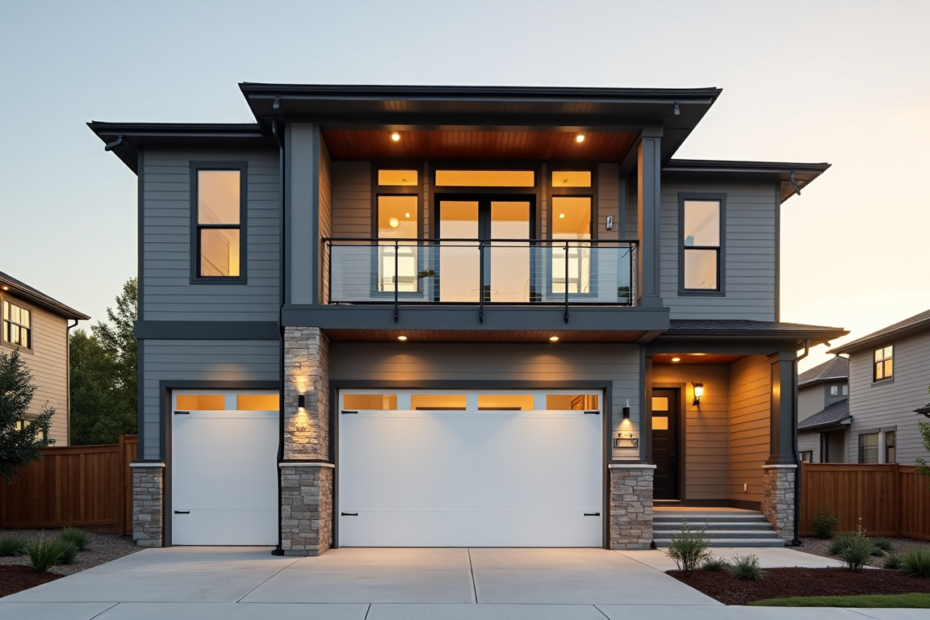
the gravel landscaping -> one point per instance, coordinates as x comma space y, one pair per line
821, 547
101, 549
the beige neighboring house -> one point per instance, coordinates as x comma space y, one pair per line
38, 326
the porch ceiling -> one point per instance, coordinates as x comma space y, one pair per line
367, 144
372, 335
694, 358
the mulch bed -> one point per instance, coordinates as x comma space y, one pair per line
15, 579
786, 582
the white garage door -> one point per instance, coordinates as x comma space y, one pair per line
224, 485
484, 468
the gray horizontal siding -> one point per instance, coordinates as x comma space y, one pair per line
199, 360
351, 199
411, 362
750, 253
810, 401
168, 294
810, 441
880, 405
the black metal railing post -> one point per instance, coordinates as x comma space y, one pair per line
396, 279
566, 281
481, 281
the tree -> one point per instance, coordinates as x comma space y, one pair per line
20, 442
104, 367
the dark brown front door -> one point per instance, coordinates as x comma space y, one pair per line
665, 442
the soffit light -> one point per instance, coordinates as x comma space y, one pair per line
395, 137
402, 338
561, 216
698, 392
394, 222
6, 288
676, 359
553, 338
579, 138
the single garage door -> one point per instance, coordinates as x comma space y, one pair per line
476, 468
224, 484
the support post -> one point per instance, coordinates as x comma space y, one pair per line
649, 218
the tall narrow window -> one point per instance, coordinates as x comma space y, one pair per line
701, 239
219, 225
17, 325
397, 260
884, 363
890, 446
571, 265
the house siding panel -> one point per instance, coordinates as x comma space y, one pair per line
608, 200
351, 197
750, 254
750, 414
326, 214
810, 401
199, 360
810, 441
166, 253
889, 404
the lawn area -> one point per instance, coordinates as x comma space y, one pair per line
914, 600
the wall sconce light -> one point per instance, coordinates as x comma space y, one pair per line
301, 401
626, 410
698, 392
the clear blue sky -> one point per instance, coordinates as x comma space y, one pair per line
839, 81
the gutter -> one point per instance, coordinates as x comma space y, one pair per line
796, 542
279, 550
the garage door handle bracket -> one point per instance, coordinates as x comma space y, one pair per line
182, 413
182, 512
344, 412
349, 514
592, 514
592, 413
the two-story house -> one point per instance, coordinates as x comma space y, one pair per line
454, 316
823, 412
38, 327
889, 377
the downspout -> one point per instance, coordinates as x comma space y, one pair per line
279, 550
68, 393
794, 446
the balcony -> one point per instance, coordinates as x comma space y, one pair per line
480, 272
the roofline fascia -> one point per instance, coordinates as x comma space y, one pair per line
819, 380
865, 341
46, 302
748, 167
839, 425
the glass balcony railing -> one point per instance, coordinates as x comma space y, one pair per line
466, 271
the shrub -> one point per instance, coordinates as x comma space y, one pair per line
916, 563
882, 544
857, 552
746, 568
75, 536
689, 549
45, 555
840, 542
12, 545
715, 564
825, 522
892, 561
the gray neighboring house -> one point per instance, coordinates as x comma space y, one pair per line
823, 412
457, 316
889, 376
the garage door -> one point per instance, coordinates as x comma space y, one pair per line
224, 486
478, 468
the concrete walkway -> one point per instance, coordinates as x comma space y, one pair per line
188, 583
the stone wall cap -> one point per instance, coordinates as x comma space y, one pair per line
779, 467
306, 464
630, 466
151, 464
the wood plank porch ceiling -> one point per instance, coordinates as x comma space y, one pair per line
663, 359
365, 144
371, 335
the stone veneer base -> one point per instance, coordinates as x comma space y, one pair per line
148, 499
778, 489
631, 505
306, 508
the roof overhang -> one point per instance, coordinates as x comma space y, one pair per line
723, 330
836, 425
882, 337
39, 299
791, 176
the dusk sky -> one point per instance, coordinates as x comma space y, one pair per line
838, 81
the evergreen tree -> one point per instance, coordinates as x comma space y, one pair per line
21, 438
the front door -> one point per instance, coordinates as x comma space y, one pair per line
665, 442
504, 226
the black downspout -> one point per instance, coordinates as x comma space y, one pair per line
797, 457
279, 550
68, 378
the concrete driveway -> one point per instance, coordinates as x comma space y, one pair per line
187, 583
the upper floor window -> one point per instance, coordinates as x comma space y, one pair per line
218, 205
845, 390
17, 325
883, 367
702, 241
868, 448
834, 390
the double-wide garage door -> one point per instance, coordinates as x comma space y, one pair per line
476, 468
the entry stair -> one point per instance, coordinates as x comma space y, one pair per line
725, 527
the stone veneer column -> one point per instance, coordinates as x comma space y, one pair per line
778, 489
631, 491
306, 473
148, 498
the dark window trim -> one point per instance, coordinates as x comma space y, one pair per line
721, 250
243, 168
889, 379
32, 325
878, 445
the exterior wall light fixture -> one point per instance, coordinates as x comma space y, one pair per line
626, 410
301, 401
698, 392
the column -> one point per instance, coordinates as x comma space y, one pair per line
779, 474
631, 493
649, 171
148, 499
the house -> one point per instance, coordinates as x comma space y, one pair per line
38, 327
889, 377
823, 412
454, 316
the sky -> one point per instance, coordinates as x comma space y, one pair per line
842, 81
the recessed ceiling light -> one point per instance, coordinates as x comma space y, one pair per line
579, 138
394, 222
676, 359
553, 338
402, 338
395, 137
561, 216
6, 288
406, 215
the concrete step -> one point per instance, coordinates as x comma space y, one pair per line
663, 543
675, 526
712, 534
660, 517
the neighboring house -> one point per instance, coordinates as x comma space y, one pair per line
823, 412
37, 326
451, 316
889, 376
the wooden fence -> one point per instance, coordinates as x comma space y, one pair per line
81, 486
892, 500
